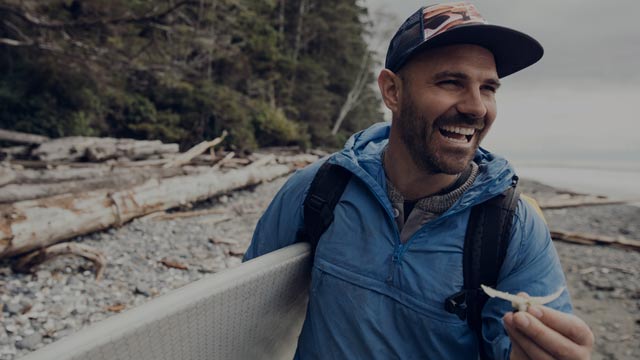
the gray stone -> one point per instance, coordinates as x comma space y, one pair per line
12, 308
4, 337
30, 342
143, 289
43, 274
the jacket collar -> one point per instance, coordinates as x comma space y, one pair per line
362, 155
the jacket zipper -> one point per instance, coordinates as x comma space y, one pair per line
399, 247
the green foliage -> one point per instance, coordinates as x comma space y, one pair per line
266, 74
40, 98
272, 127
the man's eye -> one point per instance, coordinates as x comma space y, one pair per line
492, 89
450, 83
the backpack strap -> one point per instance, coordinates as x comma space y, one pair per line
323, 196
485, 247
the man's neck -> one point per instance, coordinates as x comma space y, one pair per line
409, 179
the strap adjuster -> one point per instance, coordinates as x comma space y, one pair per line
320, 206
457, 304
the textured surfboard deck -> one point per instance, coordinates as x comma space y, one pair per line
253, 311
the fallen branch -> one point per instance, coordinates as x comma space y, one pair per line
591, 239
186, 157
224, 160
28, 262
21, 138
215, 220
187, 214
173, 264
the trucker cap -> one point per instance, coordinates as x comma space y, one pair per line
460, 23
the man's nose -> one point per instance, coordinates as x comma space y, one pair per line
472, 104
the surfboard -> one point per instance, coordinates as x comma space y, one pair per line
252, 311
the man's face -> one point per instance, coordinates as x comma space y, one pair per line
446, 106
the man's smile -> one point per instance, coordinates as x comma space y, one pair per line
458, 134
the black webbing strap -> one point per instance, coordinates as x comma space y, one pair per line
485, 247
323, 195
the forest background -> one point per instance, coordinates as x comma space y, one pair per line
270, 72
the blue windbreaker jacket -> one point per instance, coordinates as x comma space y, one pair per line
373, 297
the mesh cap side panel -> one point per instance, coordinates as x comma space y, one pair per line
402, 44
408, 35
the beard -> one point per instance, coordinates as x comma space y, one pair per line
418, 136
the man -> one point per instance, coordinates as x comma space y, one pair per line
394, 251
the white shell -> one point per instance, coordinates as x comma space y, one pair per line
519, 302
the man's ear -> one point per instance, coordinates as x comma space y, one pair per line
390, 86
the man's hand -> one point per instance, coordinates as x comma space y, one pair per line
544, 333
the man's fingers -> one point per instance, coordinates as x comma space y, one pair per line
568, 325
521, 346
553, 342
517, 353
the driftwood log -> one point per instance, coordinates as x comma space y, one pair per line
100, 149
7, 175
87, 180
591, 239
10, 153
63, 173
29, 225
21, 138
581, 201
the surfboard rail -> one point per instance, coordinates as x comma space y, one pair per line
252, 311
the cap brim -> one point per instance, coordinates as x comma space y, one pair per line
512, 50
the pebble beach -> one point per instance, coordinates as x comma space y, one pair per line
151, 256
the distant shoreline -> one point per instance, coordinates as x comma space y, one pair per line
615, 184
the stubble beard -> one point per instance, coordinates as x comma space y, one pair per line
416, 132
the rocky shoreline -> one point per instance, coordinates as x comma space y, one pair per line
151, 256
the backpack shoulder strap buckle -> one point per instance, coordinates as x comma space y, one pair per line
457, 304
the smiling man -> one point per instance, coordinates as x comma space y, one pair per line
387, 263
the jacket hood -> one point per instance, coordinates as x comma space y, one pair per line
362, 156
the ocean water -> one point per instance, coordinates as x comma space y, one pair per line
582, 137
615, 184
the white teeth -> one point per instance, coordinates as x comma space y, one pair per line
459, 130
461, 141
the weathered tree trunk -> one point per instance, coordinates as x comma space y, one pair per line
7, 175
64, 173
117, 179
354, 95
297, 46
22, 138
281, 17
33, 224
99, 149
13, 152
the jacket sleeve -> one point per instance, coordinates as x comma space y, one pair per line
532, 266
278, 226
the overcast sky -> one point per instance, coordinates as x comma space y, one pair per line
580, 102
582, 38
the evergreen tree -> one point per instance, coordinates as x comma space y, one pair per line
270, 72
